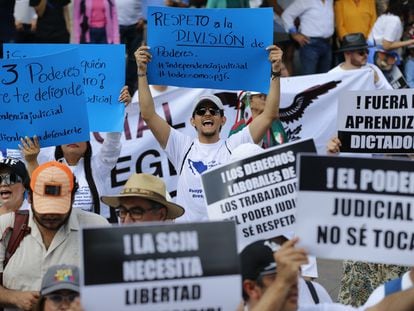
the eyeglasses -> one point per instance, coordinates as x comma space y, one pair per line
58, 299
136, 213
10, 179
362, 52
202, 111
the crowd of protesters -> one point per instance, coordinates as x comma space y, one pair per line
310, 37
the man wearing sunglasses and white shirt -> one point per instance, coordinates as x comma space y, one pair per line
355, 49
14, 182
190, 156
143, 198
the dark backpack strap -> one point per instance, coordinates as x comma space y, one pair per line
392, 286
185, 157
227, 147
313, 292
18, 232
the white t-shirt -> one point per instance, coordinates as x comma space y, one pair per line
84, 198
23, 12
381, 84
201, 157
129, 11
316, 17
379, 293
388, 27
305, 296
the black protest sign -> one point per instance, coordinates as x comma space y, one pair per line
258, 193
356, 208
376, 122
160, 266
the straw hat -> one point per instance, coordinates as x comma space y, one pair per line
148, 187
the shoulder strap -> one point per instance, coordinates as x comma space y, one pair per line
18, 232
185, 157
227, 147
312, 291
392, 286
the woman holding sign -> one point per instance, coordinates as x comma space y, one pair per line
91, 170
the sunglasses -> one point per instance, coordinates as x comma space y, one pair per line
202, 111
136, 213
58, 299
362, 52
10, 179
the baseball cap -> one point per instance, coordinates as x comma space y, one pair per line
17, 167
60, 277
245, 150
241, 95
257, 259
52, 184
208, 99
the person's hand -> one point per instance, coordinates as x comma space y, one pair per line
124, 96
19, 25
275, 57
288, 261
302, 40
25, 300
334, 145
29, 148
142, 57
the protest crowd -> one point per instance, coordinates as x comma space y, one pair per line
67, 235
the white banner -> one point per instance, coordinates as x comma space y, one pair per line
315, 97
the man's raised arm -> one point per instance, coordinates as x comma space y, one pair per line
262, 122
158, 126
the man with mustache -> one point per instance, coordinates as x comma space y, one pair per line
53, 237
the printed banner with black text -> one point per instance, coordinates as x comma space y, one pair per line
258, 192
165, 267
356, 208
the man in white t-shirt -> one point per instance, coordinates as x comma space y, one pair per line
190, 156
281, 294
355, 49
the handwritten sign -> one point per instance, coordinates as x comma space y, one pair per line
103, 70
376, 122
161, 267
356, 208
258, 193
210, 48
45, 97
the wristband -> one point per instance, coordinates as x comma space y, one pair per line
276, 74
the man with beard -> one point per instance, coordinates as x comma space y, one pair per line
190, 156
53, 238
14, 182
355, 49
